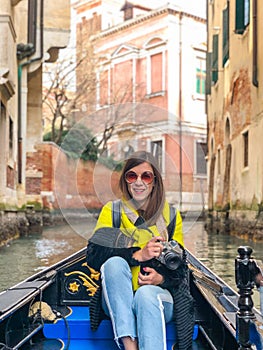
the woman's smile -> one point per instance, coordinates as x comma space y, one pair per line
139, 190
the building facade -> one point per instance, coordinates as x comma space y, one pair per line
235, 107
32, 31
150, 87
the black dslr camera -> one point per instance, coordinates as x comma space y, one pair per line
172, 255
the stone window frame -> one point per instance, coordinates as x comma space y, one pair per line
200, 71
153, 46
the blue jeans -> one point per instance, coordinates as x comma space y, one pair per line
140, 315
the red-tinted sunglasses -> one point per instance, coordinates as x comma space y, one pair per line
147, 177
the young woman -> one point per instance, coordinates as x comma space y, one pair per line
142, 289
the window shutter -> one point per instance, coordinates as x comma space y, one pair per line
215, 59
32, 18
242, 15
226, 34
208, 80
156, 72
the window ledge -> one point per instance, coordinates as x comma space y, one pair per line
100, 107
154, 94
200, 176
245, 169
198, 97
11, 163
243, 31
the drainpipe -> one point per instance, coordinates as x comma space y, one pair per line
20, 69
255, 44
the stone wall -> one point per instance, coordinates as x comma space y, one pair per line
15, 224
245, 224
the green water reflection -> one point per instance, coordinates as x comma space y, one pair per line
218, 252
26, 256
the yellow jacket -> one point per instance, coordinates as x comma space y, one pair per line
140, 236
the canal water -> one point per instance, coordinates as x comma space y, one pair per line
23, 257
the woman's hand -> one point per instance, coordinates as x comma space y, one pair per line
152, 250
151, 277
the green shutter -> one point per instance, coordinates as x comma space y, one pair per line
208, 79
203, 82
239, 17
198, 81
225, 34
242, 15
215, 59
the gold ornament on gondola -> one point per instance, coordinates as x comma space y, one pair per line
88, 280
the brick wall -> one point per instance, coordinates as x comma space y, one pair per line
74, 184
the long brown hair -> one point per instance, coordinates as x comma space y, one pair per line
157, 197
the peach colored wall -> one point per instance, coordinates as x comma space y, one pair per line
74, 184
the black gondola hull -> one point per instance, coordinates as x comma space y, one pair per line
67, 288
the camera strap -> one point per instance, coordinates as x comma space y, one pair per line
172, 223
116, 213
116, 217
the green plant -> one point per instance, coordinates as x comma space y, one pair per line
34, 204
7, 206
110, 163
77, 143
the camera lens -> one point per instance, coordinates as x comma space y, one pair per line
172, 260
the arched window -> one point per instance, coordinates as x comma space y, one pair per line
155, 60
212, 146
227, 132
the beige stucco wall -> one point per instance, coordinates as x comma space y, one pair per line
234, 97
57, 26
246, 183
13, 31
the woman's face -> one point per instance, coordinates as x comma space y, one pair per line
140, 180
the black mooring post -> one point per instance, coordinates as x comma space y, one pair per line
246, 270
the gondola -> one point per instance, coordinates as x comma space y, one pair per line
50, 310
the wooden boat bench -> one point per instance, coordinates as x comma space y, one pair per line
20, 294
14, 312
